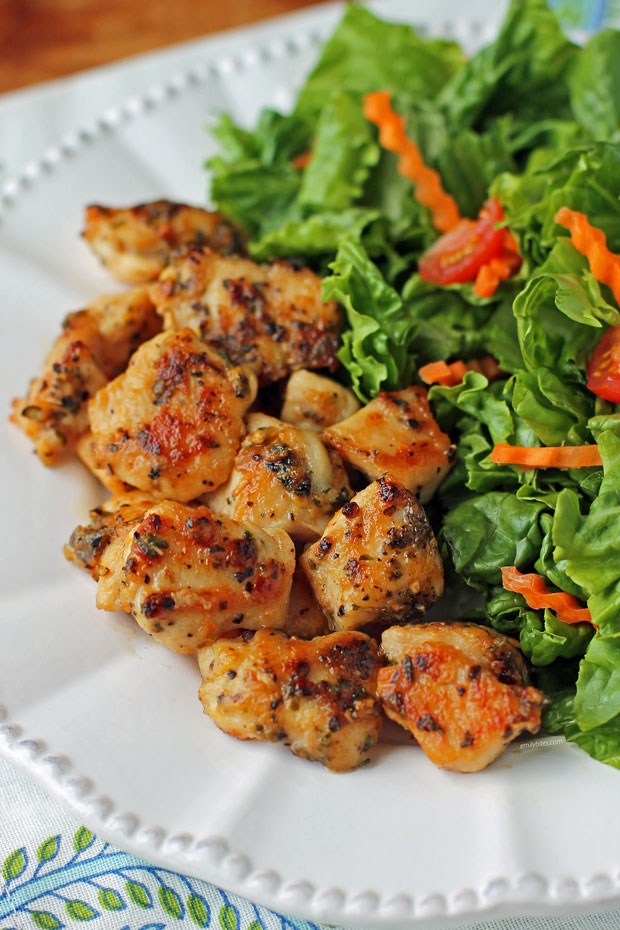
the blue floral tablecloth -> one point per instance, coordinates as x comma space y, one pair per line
55, 873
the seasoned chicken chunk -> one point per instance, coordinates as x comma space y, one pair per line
136, 243
304, 618
172, 423
377, 560
315, 402
396, 433
270, 317
112, 520
317, 697
461, 689
283, 476
95, 344
124, 321
187, 575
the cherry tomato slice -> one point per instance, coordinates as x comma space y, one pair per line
603, 371
458, 256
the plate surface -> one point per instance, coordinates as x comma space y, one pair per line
110, 722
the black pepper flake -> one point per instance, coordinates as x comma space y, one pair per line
334, 724
428, 724
467, 740
350, 510
408, 668
413, 424
231, 673
341, 611
324, 546
474, 672
246, 573
461, 690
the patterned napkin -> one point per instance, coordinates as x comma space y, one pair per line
55, 873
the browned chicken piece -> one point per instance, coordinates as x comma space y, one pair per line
172, 423
396, 433
136, 243
461, 689
95, 344
270, 317
283, 476
112, 520
124, 321
377, 560
318, 697
86, 449
188, 576
315, 402
305, 618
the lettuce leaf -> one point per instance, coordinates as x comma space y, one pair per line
343, 152
377, 348
589, 545
595, 85
524, 71
366, 54
489, 531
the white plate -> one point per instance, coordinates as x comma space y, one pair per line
110, 722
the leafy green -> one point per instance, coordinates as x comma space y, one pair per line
376, 350
524, 71
595, 85
489, 531
343, 152
366, 54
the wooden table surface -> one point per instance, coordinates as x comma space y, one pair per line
43, 39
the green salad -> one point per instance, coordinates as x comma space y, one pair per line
533, 121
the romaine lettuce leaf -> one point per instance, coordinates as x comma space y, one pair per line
524, 71
377, 348
489, 531
595, 85
366, 54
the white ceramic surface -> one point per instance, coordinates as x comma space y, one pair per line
110, 722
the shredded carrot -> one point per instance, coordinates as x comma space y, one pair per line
451, 374
547, 456
426, 182
498, 269
537, 596
591, 242
302, 161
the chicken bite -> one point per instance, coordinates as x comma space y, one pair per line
269, 317
112, 520
314, 402
172, 423
318, 697
187, 576
283, 476
461, 689
95, 345
304, 617
377, 560
136, 243
396, 433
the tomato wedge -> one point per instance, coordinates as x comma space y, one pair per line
603, 371
459, 255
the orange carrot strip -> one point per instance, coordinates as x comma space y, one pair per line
302, 161
547, 456
591, 242
426, 182
453, 373
498, 269
538, 596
